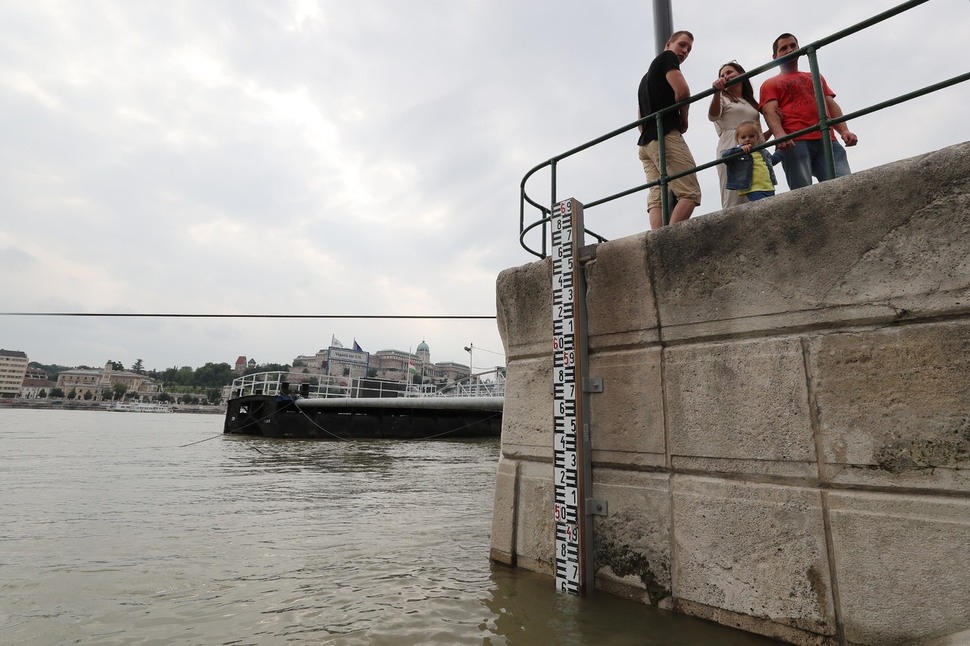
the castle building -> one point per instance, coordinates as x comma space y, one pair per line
314, 364
424, 353
397, 364
394, 364
452, 371
389, 364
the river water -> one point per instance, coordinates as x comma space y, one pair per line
135, 528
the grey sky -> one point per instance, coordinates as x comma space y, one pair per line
304, 157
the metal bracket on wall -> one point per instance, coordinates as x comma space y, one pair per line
591, 385
597, 507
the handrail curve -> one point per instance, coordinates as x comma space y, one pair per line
824, 125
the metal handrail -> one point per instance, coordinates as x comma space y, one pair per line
275, 383
824, 126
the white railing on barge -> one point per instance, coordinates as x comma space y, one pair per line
490, 383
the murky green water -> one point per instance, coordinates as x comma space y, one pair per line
115, 532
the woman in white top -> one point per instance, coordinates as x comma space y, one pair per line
730, 105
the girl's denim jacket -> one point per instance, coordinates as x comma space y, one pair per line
739, 170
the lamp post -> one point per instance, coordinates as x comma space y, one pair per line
471, 364
663, 23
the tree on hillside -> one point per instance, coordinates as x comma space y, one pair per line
214, 395
185, 375
116, 365
212, 375
268, 367
138, 367
51, 370
178, 376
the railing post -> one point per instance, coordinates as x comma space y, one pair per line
823, 117
662, 167
522, 212
552, 206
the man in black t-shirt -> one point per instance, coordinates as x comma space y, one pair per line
662, 86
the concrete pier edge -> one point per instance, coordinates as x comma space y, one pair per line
783, 436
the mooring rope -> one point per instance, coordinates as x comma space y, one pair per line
431, 437
311, 420
201, 441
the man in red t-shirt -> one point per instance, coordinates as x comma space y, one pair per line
788, 103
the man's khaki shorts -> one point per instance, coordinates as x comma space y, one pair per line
679, 159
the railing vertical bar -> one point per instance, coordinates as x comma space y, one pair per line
662, 156
552, 202
823, 117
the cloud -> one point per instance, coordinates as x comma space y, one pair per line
316, 158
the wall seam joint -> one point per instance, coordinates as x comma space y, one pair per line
823, 494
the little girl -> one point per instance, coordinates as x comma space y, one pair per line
751, 174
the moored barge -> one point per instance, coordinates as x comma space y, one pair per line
277, 405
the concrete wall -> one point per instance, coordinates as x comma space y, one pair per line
783, 438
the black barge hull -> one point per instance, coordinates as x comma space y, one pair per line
359, 418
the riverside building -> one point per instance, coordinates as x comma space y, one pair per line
101, 382
13, 368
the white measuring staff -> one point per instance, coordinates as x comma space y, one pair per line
568, 321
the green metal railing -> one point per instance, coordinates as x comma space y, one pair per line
824, 126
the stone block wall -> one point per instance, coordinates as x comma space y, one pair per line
783, 436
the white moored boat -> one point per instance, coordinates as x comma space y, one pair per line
141, 407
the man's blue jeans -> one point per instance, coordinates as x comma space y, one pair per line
807, 158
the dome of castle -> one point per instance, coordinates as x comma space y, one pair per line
423, 347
